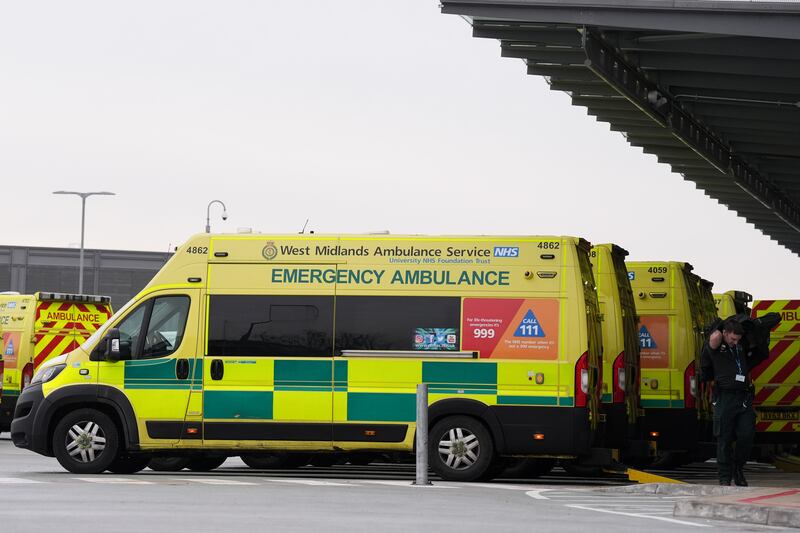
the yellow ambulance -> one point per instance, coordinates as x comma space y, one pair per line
731, 303
37, 327
620, 399
248, 343
777, 380
670, 308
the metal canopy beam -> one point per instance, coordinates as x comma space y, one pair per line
711, 88
692, 17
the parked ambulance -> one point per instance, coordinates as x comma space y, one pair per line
251, 343
671, 313
38, 327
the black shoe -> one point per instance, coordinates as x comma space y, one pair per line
738, 478
725, 483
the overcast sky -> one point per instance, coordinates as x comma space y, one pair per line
360, 116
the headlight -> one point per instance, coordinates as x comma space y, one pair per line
46, 374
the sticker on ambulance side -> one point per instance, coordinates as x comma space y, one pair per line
435, 339
11, 340
511, 328
654, 341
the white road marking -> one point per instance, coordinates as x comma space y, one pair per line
16, 480
313, 482
114, 480
537, 494
639, 515
402, 484
214, 481
502, 486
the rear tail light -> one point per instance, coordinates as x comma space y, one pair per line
618, 376
2, 366
582, 380
27, 375
690, 386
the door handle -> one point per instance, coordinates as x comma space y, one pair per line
217, 369
182, 369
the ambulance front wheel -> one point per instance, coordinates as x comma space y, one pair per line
86, 441
460, 448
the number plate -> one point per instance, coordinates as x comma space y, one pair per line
769, 416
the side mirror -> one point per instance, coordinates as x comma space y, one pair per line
112, 345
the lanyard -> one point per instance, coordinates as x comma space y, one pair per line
735, 350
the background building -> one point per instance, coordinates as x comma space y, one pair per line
119, 274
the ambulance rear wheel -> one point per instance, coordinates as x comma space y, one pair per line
129, 464
86, 441
205, 463
460, 448
168, 464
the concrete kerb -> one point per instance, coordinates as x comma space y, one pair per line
713, 504
739, 512
676, 489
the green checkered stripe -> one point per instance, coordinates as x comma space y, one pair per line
160, 374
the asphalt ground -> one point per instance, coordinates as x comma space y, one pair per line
38, 495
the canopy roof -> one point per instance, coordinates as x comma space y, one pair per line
712, 88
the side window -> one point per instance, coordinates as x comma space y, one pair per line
166, 326
130, 330
397, 323
276, 326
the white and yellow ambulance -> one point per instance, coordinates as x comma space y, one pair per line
247, 343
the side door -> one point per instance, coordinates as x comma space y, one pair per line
158, 356
268, 367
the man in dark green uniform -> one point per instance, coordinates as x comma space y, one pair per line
728, 363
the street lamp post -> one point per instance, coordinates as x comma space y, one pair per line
208, 213
84, 196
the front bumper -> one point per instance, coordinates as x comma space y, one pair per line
25, 431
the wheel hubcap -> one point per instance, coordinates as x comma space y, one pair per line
85, 441
459, 448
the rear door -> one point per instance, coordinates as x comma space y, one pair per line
777, 380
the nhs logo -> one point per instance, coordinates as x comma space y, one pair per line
506, 251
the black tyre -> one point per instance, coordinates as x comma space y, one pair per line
129, 464
205, 463
265, 461
86, 441
529, 468
168, 464
460, 448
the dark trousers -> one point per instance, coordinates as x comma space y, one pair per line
734, 421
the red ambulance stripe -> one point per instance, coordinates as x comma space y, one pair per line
41, 307
82, 308
787, 370
788, 427
47, 350
774, 353
762, 395
792, 395
761, 305
792, 305
39, 336
65, 306
762, 426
